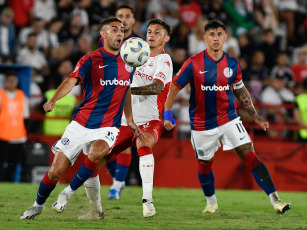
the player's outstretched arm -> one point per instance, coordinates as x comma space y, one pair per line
153, 89
169, 121
65, 87
129, 116
244, 98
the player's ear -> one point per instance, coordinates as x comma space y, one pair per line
103, 33
166, 38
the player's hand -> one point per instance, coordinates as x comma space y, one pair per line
169, 121
262, 123
136, 130
48, 106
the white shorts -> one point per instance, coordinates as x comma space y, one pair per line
76, 137
206, 143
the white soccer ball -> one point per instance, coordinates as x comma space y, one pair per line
135, 52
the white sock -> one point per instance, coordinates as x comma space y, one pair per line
68, 190
211, 199
274, 197
92, 188
37, 205
146, 166
117, 185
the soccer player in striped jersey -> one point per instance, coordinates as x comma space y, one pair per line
105, 80
214, 77
149, 89
119, 164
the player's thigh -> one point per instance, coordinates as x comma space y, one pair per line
71, 142
234, 135
59, 165
98, 149
205, 143
153, 131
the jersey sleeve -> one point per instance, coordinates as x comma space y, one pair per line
164, 70
238, 82
82, 69
184, 75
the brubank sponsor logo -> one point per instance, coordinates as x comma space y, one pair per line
215, 88
115, 82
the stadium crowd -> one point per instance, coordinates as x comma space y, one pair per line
269, 37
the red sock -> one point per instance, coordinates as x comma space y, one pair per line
251, 160
145, 150
49, 183
90, 165
204, 169
95, 174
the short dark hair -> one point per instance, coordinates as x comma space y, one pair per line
32, 34
108, 21
10, 72
166, 26
214, 24
125, 7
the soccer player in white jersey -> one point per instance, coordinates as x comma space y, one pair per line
149, 91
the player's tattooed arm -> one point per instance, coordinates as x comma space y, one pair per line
245, 99
153, 89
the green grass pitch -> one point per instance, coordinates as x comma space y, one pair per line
176, 209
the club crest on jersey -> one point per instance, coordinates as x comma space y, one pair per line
65, 141
228, 72
128, 68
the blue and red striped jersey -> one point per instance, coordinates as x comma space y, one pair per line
100, 42
212, 83
105, 80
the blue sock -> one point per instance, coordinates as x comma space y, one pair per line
112, 167
82, 175
121, 172
43, 193
263, 178
207, 183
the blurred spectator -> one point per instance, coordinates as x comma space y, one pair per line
54, 28
258, 74
181, 111
300, 112
196, 42
81, 9
13, 109
246, 47
45, 9
300, 68
190, 11
64, 9
64, 108
38, 28
23, 11
277, 94
167, 11
214, 9
179, 55
281, 69
270, 47
7, 33
286, 10
84, 47
99, 10
72, 29
58, 55
179, 38
232, 43
31, 56
240, 18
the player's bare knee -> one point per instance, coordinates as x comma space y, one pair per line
55, 173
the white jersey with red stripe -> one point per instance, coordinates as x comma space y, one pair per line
146, 108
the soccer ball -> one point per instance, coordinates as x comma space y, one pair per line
135, 52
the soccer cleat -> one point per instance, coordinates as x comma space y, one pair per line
114, 194
148, 208
281, 207
211, 208
60, 204
31, 212
93, 214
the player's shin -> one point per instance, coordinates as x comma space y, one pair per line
45, 188
206, 179
146, 167
122, 167
260, 173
